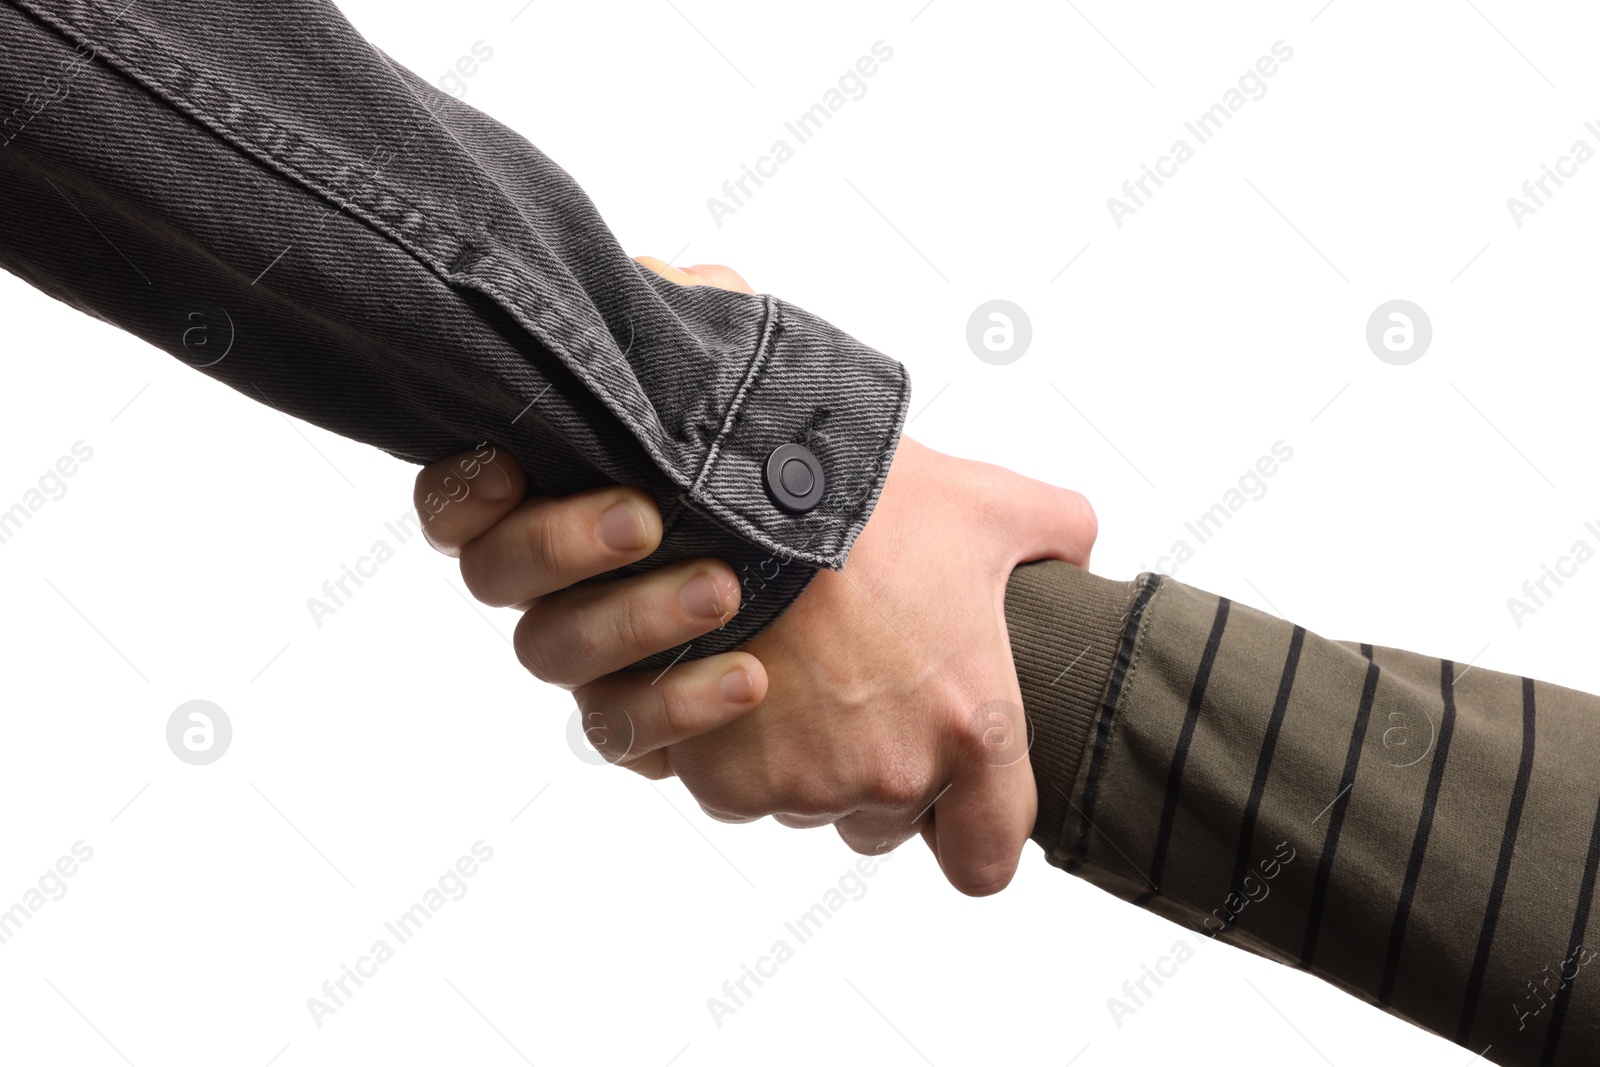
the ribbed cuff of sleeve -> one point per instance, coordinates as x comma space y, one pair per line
1068, 629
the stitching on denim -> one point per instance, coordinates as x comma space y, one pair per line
752, 374
412, 233
408, 235
880, 464
829, 555
297, 153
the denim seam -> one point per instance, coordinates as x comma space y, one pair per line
397, 227
410, 234
390, 225
407, 233
838, 546
881, 463
698, 490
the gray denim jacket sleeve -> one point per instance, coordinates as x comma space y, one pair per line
256, 190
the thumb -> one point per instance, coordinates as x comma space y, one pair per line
713, 274
1048, 522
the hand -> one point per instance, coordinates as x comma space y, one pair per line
894, 706
530, 554
892, 686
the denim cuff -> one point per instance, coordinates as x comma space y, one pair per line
408, 272
814, 385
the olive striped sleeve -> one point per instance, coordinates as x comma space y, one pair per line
1422, 834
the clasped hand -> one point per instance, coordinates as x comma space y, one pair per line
883, 702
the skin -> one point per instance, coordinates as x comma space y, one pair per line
884, 702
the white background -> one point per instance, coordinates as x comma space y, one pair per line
1226, 315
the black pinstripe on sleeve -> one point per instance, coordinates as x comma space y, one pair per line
1433, 833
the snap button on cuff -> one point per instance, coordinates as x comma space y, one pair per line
794, 478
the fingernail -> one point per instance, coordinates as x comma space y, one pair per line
736, 686
700, 598
495, 484
621, 529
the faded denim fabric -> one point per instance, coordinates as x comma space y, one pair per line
403, 270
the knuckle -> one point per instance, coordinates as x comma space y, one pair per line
970, 739
904, 788
1090, 520
727, 792
872, 847
810, 794
677, 712
475, 576
540, 656
587, 647
630, 626
982, 880
428, 479
471, 579
654, 770
861, 847
607, 722
728, 806
611, 734
533, 661
866, 844
546, 546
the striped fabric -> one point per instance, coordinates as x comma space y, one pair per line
1422, 835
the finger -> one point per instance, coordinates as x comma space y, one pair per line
712, 274
718, 276
1039, 520
663, 268
929, 833
580, 634
461, 497
875, 834
804, 822
550, 543
724, 816
981, 826
1049, 522
631, 715
872, 832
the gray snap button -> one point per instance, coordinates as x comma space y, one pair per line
794, 478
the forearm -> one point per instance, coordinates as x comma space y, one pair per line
1421, 834
396, 267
